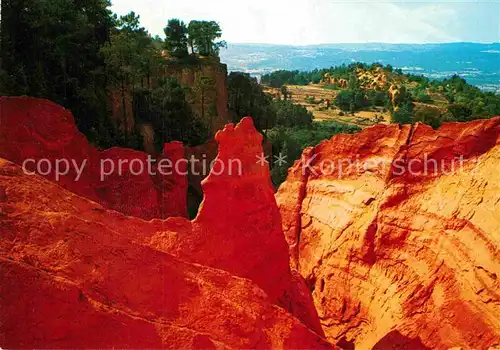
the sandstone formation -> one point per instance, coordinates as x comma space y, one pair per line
73, 278
238, 226
375, 79
396, 95
394, 232
329, 79
220, 281
397, 232
38, 130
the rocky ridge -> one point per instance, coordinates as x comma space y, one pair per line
222, 280
392, 246
393, 231
46, 133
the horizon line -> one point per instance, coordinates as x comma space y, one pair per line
366, 43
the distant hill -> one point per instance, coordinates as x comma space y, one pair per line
479, 64
364, 95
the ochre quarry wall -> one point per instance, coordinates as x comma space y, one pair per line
77, 275
41, 130
394, 252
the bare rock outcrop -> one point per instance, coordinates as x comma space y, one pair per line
37, 132
238, 226
222, 280
397, 232
72, 278
331, 80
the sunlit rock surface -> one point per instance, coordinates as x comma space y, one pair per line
72, 267
35, 130
391, 249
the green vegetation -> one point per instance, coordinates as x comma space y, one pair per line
378, 98
281, 77
51, 49
310, 100
200, 36
291, 141
165, 107
457, 91
437, 101
288, 126
246, 98
285, 93
176, 41
460, 112
403, 115
464, 102
292, 115
76, 53
203, 36
351, 100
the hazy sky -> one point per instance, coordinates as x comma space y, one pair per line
307, 22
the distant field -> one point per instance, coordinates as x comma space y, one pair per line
320, 112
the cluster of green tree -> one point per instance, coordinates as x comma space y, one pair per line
132, 58
420, 95
51, 49
246, 98
351, 100
288, 126
283, 77
403, 113
74, 52
166, 108
427, 114
458, 92
466, 102
420, 79
289, 114
200, 36
356, 98
289, 142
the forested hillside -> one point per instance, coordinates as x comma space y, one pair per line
409, 98
81, 55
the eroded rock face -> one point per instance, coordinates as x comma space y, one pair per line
73, 278
391, 250
238, 227
220, 281
38, 129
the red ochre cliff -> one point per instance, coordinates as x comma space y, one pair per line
35, 130
392, 258
396, 251
75, 274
